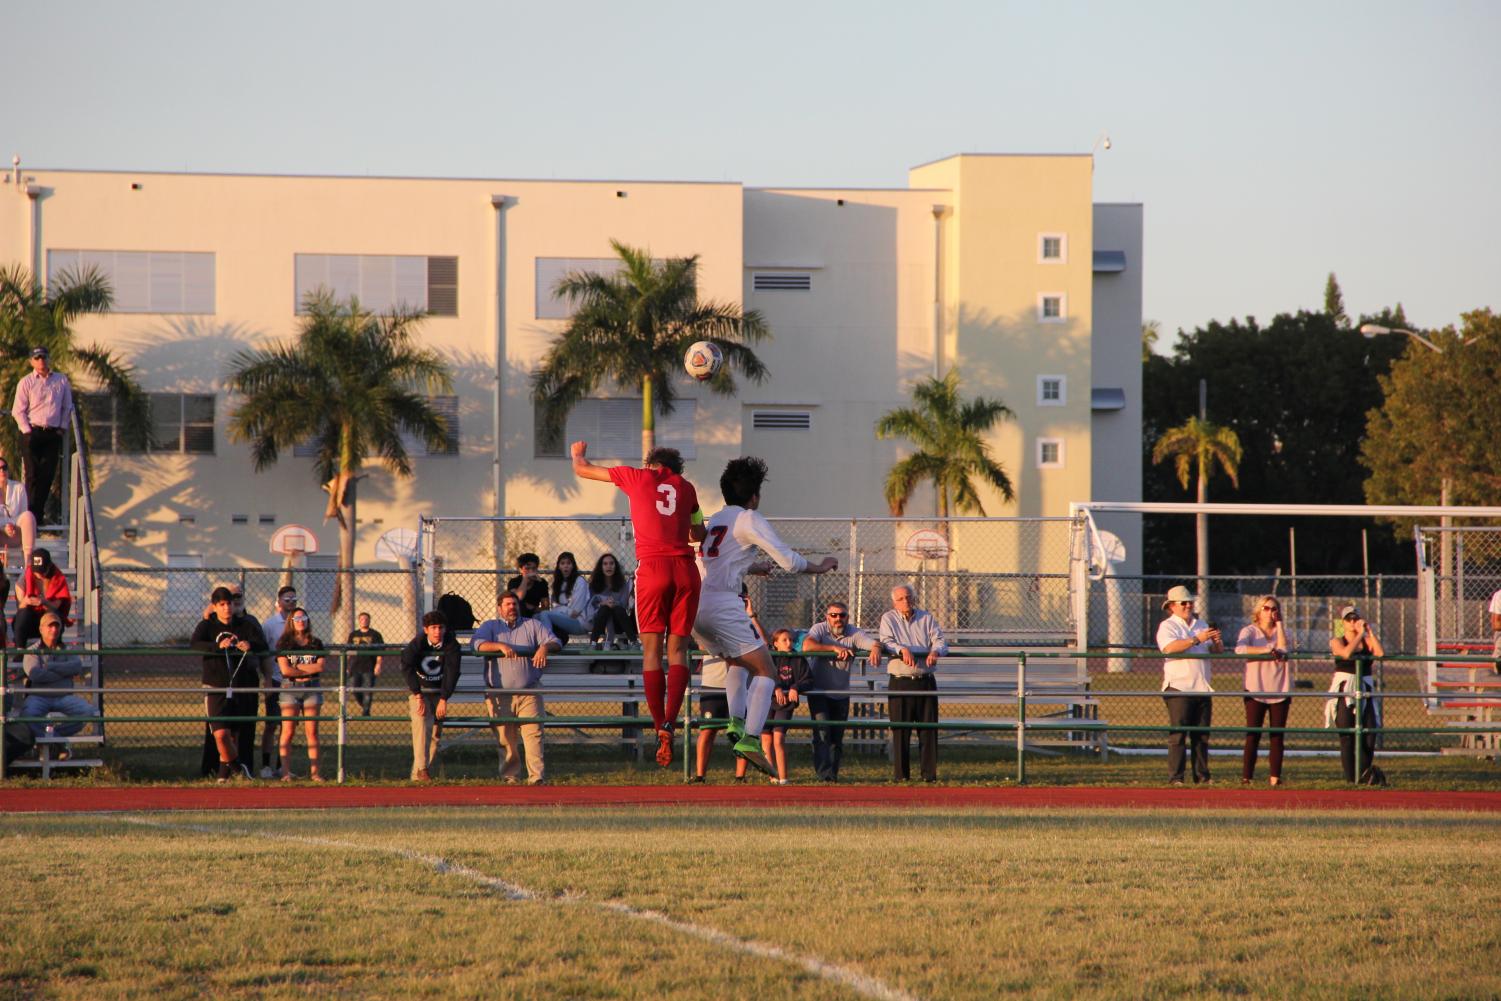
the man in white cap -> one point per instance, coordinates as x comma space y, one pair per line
44, 401
1183, 633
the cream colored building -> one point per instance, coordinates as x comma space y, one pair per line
1000, 266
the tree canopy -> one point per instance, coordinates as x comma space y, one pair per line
1296, 392
1439, 419
951, 451
631, 329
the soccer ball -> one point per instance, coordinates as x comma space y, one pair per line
703, 360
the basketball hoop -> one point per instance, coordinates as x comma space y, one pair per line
926, 544
293, 540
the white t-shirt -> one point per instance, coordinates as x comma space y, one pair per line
1496, 603
1184, 674
729, 548
13, 502
273, 627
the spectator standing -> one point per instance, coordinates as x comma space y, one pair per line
230, 646
1185, 683
829, 700
666, 519
713, 705
1355, 649
529, 587
516, 655
43, 405
569, 599
1495, 610
48, 665
1266, 636
244, 732
610, 603
364, 668
43, 589
792, 678
17, 523
430, 665
274, 626
913, 640
301, 656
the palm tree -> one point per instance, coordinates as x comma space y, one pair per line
1205, 443
31, 316
631, 329
349, 384
951, 451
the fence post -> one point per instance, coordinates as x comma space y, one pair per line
1359, 690
343, 709
1021, 718
4, 696
688, 727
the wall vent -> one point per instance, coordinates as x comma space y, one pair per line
782, 420
781, 282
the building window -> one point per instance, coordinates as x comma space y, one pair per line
180, 422
1052, 390
1050, 453
1052, 248
613, 430
143, 281
1052, 307
382, 284
551, 270
448, 406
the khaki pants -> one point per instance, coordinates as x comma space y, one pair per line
513, 735
423, 745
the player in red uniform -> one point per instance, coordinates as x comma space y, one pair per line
666, 519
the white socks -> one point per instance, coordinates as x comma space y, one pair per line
734, 685
760, 704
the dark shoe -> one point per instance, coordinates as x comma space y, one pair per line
225, 769
697, 778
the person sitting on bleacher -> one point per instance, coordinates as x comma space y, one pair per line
516, 651
17, 523
48, 665
43, 589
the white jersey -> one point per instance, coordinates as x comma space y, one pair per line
729, 548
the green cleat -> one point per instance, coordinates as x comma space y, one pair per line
736, 729
749, 748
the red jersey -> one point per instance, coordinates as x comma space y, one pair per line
662, 506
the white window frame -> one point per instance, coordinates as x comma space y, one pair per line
1062, 239
1042, 298
1042, 400
1059, 462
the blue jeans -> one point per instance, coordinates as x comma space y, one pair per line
68, 705
561, 623
828, 741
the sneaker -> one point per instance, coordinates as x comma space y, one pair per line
697, 778
749, 748
740, 778
267, 772
224, 769
736, 729
664, 747
422, 776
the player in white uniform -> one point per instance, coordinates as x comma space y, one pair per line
723, 627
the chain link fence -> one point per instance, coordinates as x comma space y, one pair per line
984, 578
159, 606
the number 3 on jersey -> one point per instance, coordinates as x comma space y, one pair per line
716, 536
668, 502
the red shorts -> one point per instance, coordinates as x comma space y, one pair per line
667, 595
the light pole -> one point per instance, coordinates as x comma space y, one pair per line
1376, 330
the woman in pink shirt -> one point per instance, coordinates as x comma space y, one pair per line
1265, 636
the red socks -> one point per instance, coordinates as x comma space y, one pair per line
655, 686
677, 685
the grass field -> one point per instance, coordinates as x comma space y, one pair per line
764, 904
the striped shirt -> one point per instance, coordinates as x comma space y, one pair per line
920, 634
42, 403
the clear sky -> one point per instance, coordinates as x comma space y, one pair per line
1270, 142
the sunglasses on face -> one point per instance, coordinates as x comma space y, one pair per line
299, 618
838, 615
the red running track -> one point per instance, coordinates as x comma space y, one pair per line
301, 797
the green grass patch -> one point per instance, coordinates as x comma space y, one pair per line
938, 903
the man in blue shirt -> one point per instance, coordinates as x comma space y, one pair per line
516, 651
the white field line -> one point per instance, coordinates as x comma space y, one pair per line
861, 983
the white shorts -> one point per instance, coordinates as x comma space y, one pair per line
722, 627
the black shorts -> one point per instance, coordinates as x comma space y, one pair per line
273, 707
782, 713
714, 705
216, 704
